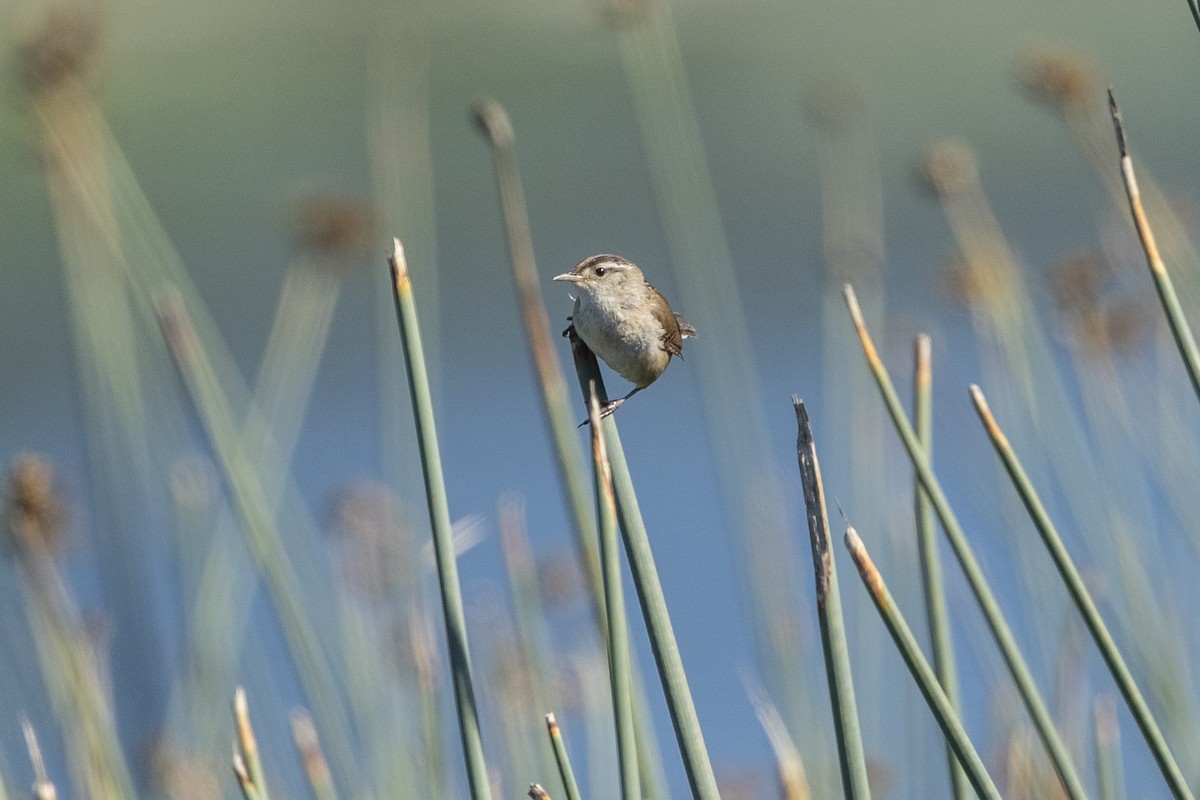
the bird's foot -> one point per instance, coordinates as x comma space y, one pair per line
606, 409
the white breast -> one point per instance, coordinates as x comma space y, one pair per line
629, 342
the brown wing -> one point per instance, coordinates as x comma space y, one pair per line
672, 334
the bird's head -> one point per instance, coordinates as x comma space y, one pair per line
603, 274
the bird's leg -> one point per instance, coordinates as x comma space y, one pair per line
613, 405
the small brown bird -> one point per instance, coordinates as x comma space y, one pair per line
625, 321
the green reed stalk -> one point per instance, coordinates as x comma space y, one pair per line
316, 769
1108, 749
560, 755
941, 706
493, 121
1014, 661
696, 763
1180, 329
829, 614
439, 519
931, 564
530, 617
1083, 601
614, 597
247, 764
262, 534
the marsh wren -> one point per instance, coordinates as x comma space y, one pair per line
625, 321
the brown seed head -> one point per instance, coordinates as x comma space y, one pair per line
1078, 282
61, 49
332, 225
37, 515
1059, 79
377, 551
177, 776
624, 14
835, 105
947, 168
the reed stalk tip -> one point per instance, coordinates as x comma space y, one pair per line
493, 122
399, 264
1118, 124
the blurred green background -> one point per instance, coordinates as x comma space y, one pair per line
233, 115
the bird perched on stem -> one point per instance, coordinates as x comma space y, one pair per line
625, 321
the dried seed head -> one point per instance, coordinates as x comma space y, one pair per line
178, 776
1078, 282
835, 105
973, 283
332, 225
947, 168
37, 515
1060, 79
624, 14
377, 551
60, 50
559, 579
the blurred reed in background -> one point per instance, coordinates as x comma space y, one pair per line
1076, 361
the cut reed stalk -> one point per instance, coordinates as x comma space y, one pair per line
1030, 695
560, 755
439, 519
793, 777
829, 614
943, 710
614, 598
247, 762
1083, 601
316, 769
43, 788
696, 764
1194, 7
1163, 284
931, 565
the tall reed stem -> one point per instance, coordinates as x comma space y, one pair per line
682, 709
829, 614
1165, 287
1030, 695
923, 675
614, 596
1083, 601
931, 564
439, 519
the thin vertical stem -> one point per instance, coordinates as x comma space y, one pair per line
1001, 632
696, 762
614, 597
829, 613
439, 518
251, 769
926, 680
1083, 601
1108, 750
316, 768
931, 564
1180, 329
560, 755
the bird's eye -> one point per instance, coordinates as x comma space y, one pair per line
600, 272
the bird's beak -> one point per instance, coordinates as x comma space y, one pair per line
570, 277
